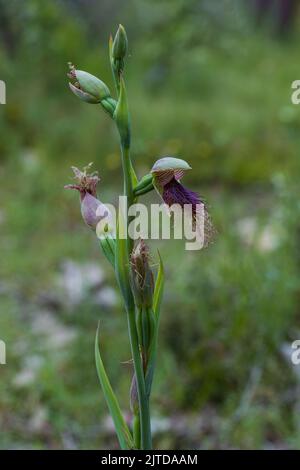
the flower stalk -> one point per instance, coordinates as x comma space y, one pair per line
122, 119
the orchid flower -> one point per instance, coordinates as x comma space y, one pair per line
95, 214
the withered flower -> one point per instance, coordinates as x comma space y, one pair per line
141, 275
93, 211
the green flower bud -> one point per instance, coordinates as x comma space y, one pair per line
92, 85
88, 87
117, 53
82, 95
120, 44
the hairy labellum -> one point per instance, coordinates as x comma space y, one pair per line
167, 173
175, 193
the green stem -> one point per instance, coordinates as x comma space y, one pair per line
136, 430
140, 380
145, 423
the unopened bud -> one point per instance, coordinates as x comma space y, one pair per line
83, 96
120, 44
87, 87
141, 275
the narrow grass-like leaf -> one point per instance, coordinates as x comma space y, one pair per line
159, 288
134, 178
108, 247
157, 298
121, 116
123, 433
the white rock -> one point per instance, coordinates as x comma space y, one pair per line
24, 378
28, 374
38, 420
268, 239
56, 334
77, 280
247, 228
106, 297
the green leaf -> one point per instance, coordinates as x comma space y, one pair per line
123, 433
157, 298
159, 288
108, 247
110, 46
121, 116
134, 178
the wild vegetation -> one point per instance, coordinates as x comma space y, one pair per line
210, 86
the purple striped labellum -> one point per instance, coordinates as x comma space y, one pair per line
167, 173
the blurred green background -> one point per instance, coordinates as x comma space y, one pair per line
208, 81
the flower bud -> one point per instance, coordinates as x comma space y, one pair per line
120, 44
87, 87
141, 275
83, 96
